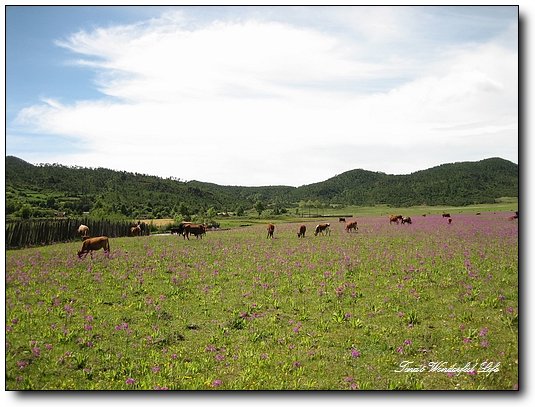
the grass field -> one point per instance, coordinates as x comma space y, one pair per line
424, 306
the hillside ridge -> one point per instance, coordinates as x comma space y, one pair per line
49, 188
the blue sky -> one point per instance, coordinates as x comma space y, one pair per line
265, 95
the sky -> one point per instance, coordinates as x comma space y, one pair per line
261, 95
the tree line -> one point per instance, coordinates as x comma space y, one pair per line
53, 190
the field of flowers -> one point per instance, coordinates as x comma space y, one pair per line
430, 305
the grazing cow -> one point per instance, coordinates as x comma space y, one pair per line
83, 230
302, 231
341, 219
135, 230
352, 226
192, 229
446, 215
270, 230
395, 218
323, 227
406, 220
180, 229
449, 221
94, 243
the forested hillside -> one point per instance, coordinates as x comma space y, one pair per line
457, 184
52, 189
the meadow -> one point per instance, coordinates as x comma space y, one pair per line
427, 306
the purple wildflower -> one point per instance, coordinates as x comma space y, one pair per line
355, 353
210, 348
21, 364
130, 381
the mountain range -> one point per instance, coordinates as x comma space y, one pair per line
46, 189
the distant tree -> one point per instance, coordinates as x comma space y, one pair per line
240, 210
211, 213
25, 212
259, 207
51, 202
183, 209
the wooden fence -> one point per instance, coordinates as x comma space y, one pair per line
35, 232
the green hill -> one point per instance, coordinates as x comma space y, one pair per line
45, 190
457, 184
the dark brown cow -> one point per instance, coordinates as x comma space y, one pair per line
323, 227
446, 215
192, 229
341, 219
180, 229
302, 231
351, 226
135, 230
406, 220
270, 230
395, 218
94, 243
449, 221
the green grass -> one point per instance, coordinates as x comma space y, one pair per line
238, 311
506, 204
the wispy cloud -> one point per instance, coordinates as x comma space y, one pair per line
247, 100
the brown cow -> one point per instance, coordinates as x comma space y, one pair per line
83, 230
94, 243
302, 231
270, 230
406, 220
515, 216
395, 218
323, 227
193, 229
446, 215
449, 221
135, 230
180, 229
352, 226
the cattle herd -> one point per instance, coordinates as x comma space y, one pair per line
90, 244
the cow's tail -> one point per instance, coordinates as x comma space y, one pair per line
107, 246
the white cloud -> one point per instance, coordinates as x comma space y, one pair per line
250, 101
